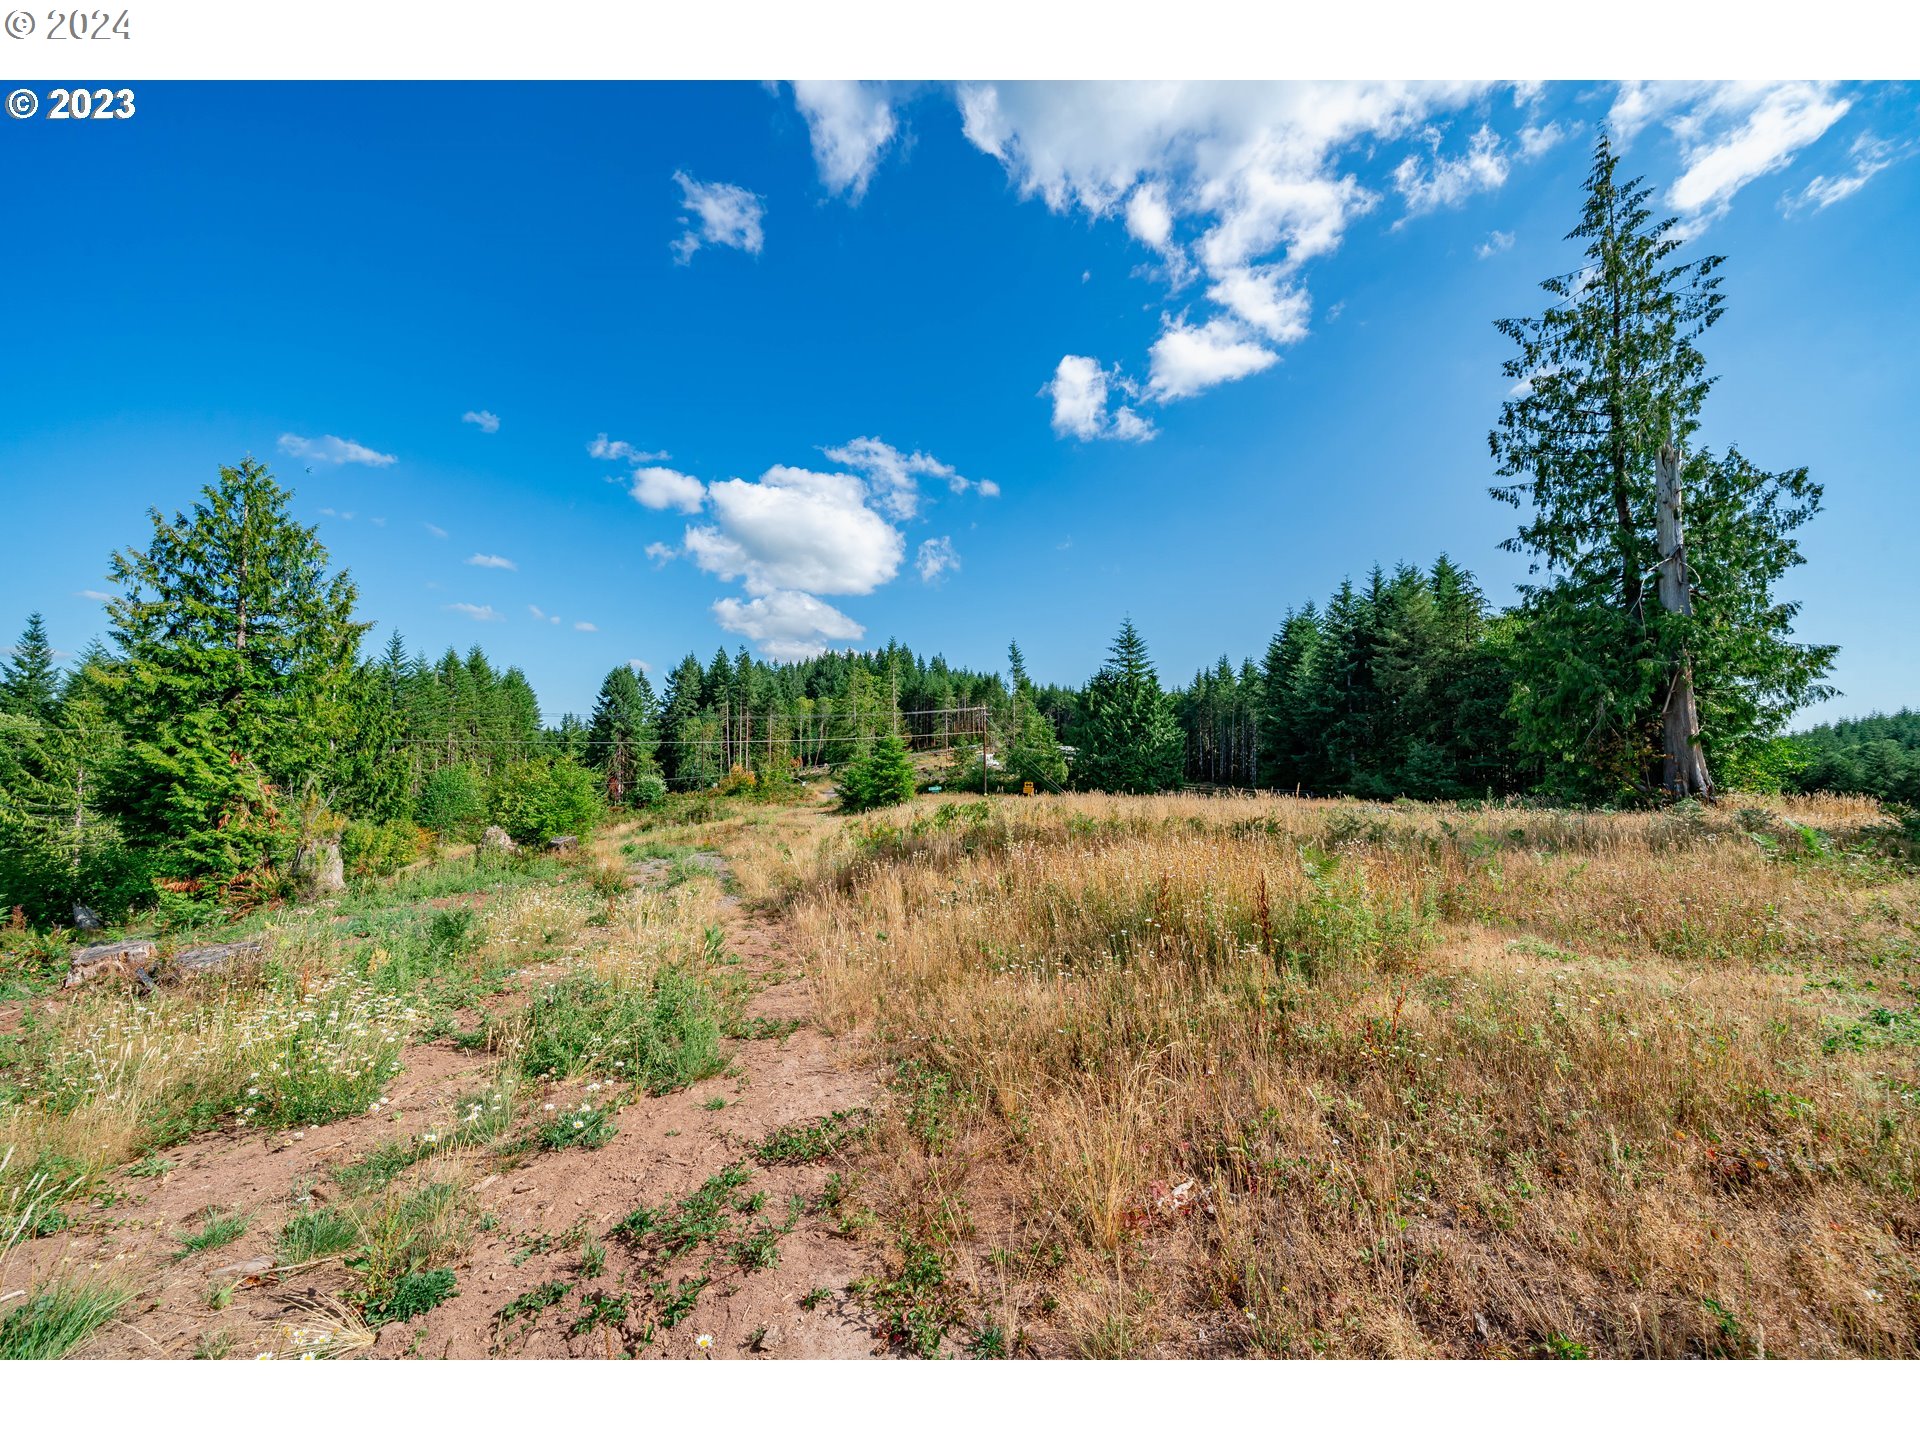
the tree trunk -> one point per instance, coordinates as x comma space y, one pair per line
1685, 767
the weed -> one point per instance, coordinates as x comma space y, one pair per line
593, 1259
815, 1298
1559, 1347
530, 1304
219, 1296
812, 1140
315, 1234
151, 1167
989, 1342
718, 1102
600, 1309
221, 1228
586, 1126
214, 1345
677, 1301
914, 1308
661, 1032
411, 1294
58, 1316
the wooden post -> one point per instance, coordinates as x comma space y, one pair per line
1685, 765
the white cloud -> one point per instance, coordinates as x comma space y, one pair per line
1261, 300
332, 450
1870, 156
988, 489
492, 562
796, 529
475, 612
379, 520
850, 123
1729, 133
586, 627
936, 557
488, 422
660, 553
727, 215
334, 514
601, 448
1188, 359
1536, 140
1497, 242
662, 489
1079, 389
434, 530
787, 624
1254, 169
539, 614
100, 595
641, 665
1450, 180
893, 477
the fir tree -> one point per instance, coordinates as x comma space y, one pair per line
1129, 738
237, 646
29, 680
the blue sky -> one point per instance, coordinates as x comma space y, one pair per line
819, 366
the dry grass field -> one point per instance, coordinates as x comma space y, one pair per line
1079, 1076
1286, 1078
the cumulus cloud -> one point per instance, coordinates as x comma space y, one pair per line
1729, 133
936, 557
1869, 154
488, 422
1244, 183
585, 626
893, 477
661, 489
1536, 140
539, 614
1497, 241
660, 553
492, 562
787, 624
332, 450
475, 612
1449, 180
797, 529
601, 448
1188, 359
850, 122
641, 665
1262, 301
1079, 390
718, 214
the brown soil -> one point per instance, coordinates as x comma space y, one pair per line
539, 1213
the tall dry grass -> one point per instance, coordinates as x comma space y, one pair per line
1293, 1078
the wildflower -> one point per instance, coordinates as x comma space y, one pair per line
264, 1355
705, 1342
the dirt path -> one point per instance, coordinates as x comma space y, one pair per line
548, 1273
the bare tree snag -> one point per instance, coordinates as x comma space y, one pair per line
1685, 763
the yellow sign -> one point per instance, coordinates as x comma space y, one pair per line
1027, 788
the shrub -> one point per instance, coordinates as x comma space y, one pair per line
535, 800
880, 774
368, 848
451, 803
647, 791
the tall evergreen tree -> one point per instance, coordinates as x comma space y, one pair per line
1129, 738
622, 734
29, 680
237, 646
1605, 377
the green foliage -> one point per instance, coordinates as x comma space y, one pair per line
535, 800
222, 1227
586, 1126
660, 1032
237, 646
622, 738
370, 848
1129, 740
1878, 755
1604, 377
452, 803
808, 1141
57, 1317
29, 680
313, 1234
880, 773
410, 1296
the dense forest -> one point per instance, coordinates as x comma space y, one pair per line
237, 716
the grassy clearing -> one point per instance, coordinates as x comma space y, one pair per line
1292, 1078
57, 1317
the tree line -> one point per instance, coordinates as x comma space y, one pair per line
233, 713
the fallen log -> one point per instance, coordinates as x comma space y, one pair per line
139, 962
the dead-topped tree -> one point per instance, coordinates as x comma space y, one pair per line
1685, 769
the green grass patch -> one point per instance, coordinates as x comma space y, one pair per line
661, 1033
54, 1319
812, 1140
222, 1227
